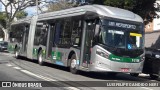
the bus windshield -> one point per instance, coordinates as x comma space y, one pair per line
124, 38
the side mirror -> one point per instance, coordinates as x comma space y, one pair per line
97, 28
96, 34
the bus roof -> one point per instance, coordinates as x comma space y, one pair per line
24, 20
101, 10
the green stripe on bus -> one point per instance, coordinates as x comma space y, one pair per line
57, 55
35, 52
10, 48
124, 59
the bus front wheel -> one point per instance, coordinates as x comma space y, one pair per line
40, 58
134, 74
73, 65
154, 76
16, 53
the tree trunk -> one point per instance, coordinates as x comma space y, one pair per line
6, 31
6, 35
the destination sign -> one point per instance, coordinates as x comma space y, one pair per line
122, 25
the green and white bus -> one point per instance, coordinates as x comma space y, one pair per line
89, 38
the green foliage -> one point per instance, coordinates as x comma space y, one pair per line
21, 14
3, 23
140, 7
125, 4
59, 6
3, 19
145, 8
101, 2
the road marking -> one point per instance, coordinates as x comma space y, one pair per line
48, 79
143, 74
9, 65
38, 76
17, 67
146, 88
153, 80
8, 54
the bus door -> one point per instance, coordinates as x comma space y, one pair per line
50, 42
88, 34
25, 40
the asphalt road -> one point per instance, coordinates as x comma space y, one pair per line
57, 77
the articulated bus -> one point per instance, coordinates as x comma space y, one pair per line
89, 38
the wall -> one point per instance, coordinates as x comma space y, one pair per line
152, 40
152, 30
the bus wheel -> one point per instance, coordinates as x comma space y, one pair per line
112, 74
134, 74
16, 53
40, 58
73, 65
153, 76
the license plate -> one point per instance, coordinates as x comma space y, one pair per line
125, 69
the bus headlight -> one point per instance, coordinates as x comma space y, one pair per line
102, 53
157, 56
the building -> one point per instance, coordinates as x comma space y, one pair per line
152, 29
155, 24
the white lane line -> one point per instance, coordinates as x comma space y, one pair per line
146, 88
153, 80
9, 65
16, 67
38, 76
47, 79
143, 74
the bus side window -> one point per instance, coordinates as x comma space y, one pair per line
37, 37
66, 34
76, 32
57, 35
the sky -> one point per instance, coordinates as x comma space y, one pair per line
31, 11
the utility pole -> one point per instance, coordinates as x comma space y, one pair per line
37, 6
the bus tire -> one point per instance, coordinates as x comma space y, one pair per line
112, 74
40, 58
154, 77
16, 52
73, 65
134, 74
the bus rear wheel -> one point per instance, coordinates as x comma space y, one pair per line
40, 58
134, 74
73, 65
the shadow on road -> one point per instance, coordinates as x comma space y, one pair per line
97, 75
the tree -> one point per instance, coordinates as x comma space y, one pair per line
21, 14
65, 4
2, 23
61, 4
144, 8
12, 7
